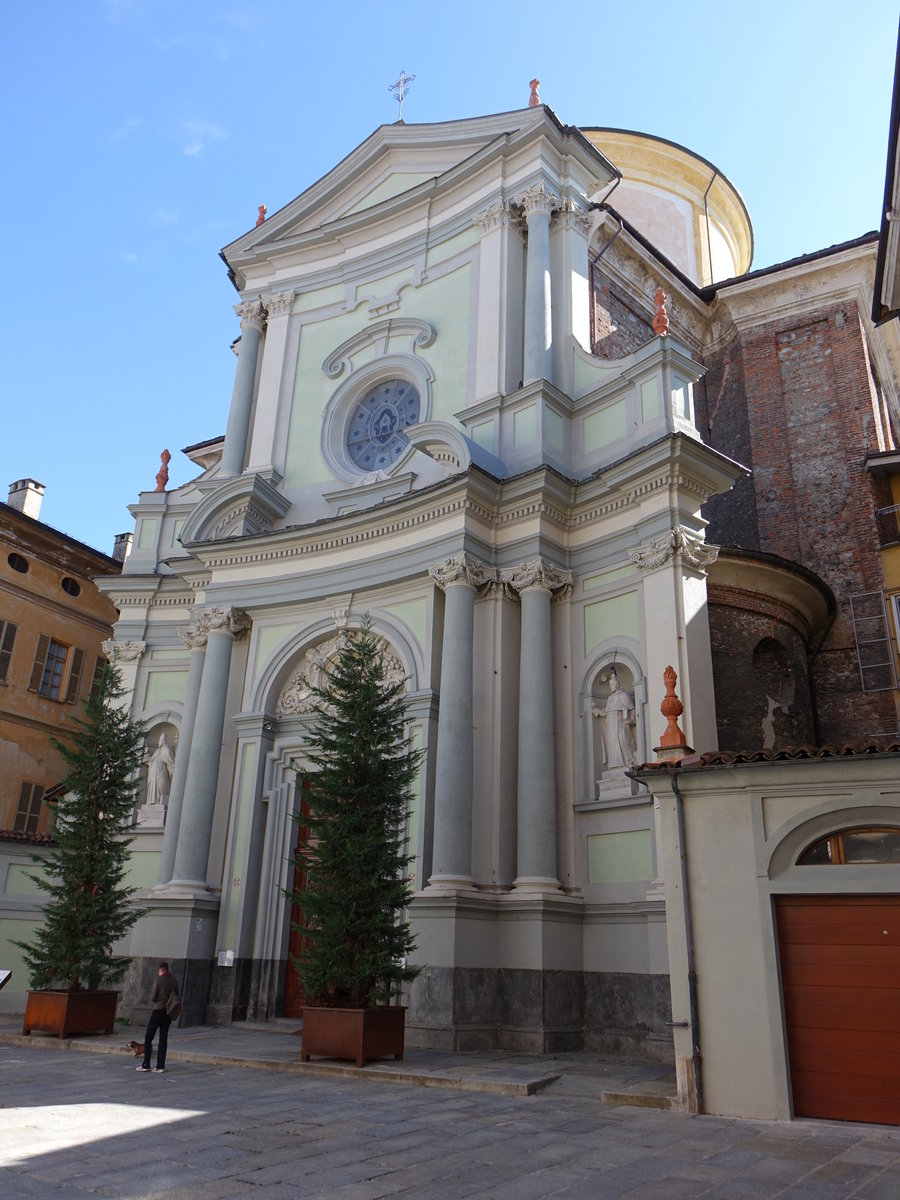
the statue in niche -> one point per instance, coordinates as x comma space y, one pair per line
618, 725
160, 766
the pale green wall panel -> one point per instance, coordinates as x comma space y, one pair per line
590, 582
525, 426
650, 399
269, 637
19, 881
394, 185
553, 429
618, 857
603, 427
147, 536
485, 435
168, 655
413, 614
143, 870
615, 617
165, 685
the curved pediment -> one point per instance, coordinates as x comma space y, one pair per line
238, 507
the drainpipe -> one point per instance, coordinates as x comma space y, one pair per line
694, 1011
715, 176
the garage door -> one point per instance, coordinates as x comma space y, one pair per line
840, 966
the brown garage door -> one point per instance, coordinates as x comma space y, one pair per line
840, 965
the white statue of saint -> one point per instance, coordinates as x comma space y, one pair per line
160, 765
617, 725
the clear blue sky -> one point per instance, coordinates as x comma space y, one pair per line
140, 136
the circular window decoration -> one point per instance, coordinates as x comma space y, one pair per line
18, 563
375, 437
70, 586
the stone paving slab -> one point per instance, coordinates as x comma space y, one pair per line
276, 1047
81, 1126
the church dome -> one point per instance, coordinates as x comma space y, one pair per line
680, 202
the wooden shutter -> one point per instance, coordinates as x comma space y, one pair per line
75, 675
7, 638
40, 659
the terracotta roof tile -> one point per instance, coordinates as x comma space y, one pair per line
727, 758
35, 839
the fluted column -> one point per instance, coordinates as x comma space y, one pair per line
538, 203
221, 626
536, 583
253, 319
459, 578
195, 640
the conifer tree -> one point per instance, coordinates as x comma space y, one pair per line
89, 907
362, 765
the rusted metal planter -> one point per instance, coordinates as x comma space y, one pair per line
65, 1013
357, 1033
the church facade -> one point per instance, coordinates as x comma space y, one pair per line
470, 401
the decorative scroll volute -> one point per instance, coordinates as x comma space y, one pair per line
462, 569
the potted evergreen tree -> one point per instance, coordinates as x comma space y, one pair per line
69, 959
356, 940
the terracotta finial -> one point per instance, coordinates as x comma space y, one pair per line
162, 475
661, 318
673, 744
534, 99
262, 214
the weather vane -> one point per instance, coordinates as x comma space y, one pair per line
401, 87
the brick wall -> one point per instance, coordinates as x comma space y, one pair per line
793, 400
617, 328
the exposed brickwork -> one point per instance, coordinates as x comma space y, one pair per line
762, 685
809, 416
617, 328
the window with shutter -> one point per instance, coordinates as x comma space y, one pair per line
29, 811
7, 638
75, 675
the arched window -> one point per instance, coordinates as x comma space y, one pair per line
867, 844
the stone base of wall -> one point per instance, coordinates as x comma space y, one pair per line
540, 1012
193, 976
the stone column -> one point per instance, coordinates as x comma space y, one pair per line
253, 318
459, 578
195, 640
221, 626
538, 203
536, 583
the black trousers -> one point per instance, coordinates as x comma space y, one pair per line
158, 1020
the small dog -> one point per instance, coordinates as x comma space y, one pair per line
137, 1049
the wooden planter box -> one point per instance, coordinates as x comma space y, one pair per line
357, 1033
65, 1013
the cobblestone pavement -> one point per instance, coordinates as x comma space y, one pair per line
79, 1125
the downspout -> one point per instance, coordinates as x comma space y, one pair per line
715, 176
694, 1009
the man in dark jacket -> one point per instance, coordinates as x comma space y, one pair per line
164, 987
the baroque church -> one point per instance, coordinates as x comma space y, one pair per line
510, 387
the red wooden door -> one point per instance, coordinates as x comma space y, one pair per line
294, 998
840, 965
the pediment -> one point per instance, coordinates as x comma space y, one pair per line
396, 165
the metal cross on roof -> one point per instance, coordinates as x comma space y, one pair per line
401, 87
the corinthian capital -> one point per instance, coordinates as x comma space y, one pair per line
538, 573
538, 199
694, 552
252, 314
570, 216
123, 652
462, 569
495, 217
217, 620
193, 638
279, 304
